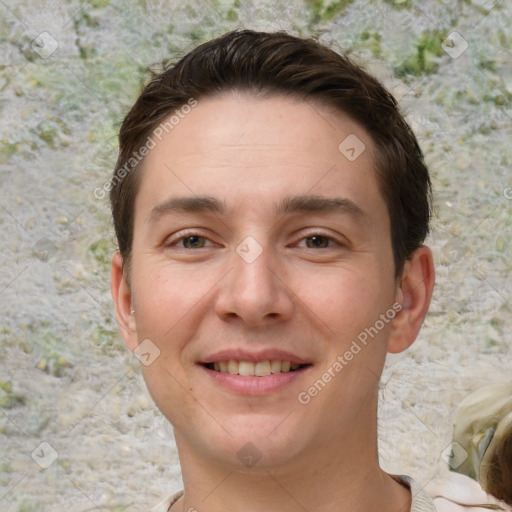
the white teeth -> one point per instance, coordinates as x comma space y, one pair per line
275, 366
233, 367
245, 368
248, 368
262, 369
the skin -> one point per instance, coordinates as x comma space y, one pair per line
309, 296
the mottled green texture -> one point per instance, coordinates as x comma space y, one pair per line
324, 10
425, 56
65, 375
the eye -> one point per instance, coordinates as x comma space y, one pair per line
194, 240
320, 241
190, 241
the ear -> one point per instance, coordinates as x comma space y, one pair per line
121, 295
414, 294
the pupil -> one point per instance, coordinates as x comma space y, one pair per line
192, 240
317, 240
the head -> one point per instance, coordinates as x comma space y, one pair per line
269, 64
272, 140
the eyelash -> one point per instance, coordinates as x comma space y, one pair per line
190, 234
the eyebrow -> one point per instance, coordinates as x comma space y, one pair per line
287, 206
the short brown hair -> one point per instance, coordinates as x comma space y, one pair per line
263, 64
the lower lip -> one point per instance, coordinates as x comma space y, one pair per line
254, 386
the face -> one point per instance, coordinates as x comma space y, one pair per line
260, 247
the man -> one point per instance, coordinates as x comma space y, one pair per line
271, 205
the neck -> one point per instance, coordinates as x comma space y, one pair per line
343, 475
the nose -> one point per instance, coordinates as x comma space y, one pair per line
255, 290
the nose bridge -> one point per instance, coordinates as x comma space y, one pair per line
253, 290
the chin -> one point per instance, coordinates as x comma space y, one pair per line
248, 444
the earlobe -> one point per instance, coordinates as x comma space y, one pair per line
121, 295
414, 295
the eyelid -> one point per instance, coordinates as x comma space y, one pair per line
170, 242
340, 241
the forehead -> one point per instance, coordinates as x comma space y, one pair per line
251, 150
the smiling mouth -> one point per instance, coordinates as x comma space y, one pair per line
251, 369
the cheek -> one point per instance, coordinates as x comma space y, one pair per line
171, 392
345, 301
168, 303
165, 298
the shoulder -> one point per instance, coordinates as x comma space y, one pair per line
420, 500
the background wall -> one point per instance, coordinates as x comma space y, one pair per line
69, 71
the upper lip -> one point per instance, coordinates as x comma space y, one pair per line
255, 357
